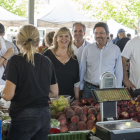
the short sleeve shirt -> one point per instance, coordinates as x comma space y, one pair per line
132, 51
32, 82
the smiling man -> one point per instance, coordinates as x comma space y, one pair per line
79, 30
97, 58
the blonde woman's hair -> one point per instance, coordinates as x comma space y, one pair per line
27, 40
49, 38
63, 30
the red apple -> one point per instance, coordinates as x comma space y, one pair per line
124, 106
132, 113
132, 106
138, 114
136, 119
77, 102
99, 117
119, 103
118, 110
125, 115
84, 101
92, 103
129, 103
74, 104
124, 102
89, 100
124, 109
97, 107
81, 105
137, 109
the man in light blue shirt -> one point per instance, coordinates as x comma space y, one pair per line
97, 58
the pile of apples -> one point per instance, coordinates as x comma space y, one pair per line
125, 109
129, 109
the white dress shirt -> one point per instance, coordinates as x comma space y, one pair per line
78, 51
95, 62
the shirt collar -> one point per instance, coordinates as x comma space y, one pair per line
83, 45
107, 44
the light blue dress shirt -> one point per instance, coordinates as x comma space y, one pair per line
95, 61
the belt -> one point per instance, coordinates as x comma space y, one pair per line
97, 86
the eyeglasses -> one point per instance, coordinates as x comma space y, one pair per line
100, 33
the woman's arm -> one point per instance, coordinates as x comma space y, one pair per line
9, 90
76, 91
53, 91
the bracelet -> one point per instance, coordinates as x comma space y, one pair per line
3, 57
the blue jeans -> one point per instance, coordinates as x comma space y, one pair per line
31, 124
87, 90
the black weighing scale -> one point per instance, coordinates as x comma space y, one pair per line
110, 128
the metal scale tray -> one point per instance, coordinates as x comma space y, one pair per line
118, 130
111, 94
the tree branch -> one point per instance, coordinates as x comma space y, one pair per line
128, 9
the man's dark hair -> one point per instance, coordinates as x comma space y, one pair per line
111, 35
102, 24
84, 27
128, 35
2, 29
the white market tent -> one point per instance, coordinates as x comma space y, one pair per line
64, 14
115, 26
9, 19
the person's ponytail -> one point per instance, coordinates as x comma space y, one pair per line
28, 39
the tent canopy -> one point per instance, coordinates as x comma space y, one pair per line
115, 26
9, 19
65, 15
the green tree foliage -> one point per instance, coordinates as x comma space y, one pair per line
18, 8
126, 12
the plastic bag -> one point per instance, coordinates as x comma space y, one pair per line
4, 104
5, 127
60, 103
5, 116
55, 126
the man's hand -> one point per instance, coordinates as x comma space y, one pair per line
129, 84
9, 53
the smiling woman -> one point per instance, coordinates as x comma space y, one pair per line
65, 63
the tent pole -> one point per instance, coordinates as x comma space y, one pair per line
31, 12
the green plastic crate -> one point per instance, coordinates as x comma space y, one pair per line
68, 136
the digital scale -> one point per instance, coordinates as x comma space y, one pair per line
110, 128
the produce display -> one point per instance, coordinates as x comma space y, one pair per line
80, 115
83, 114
